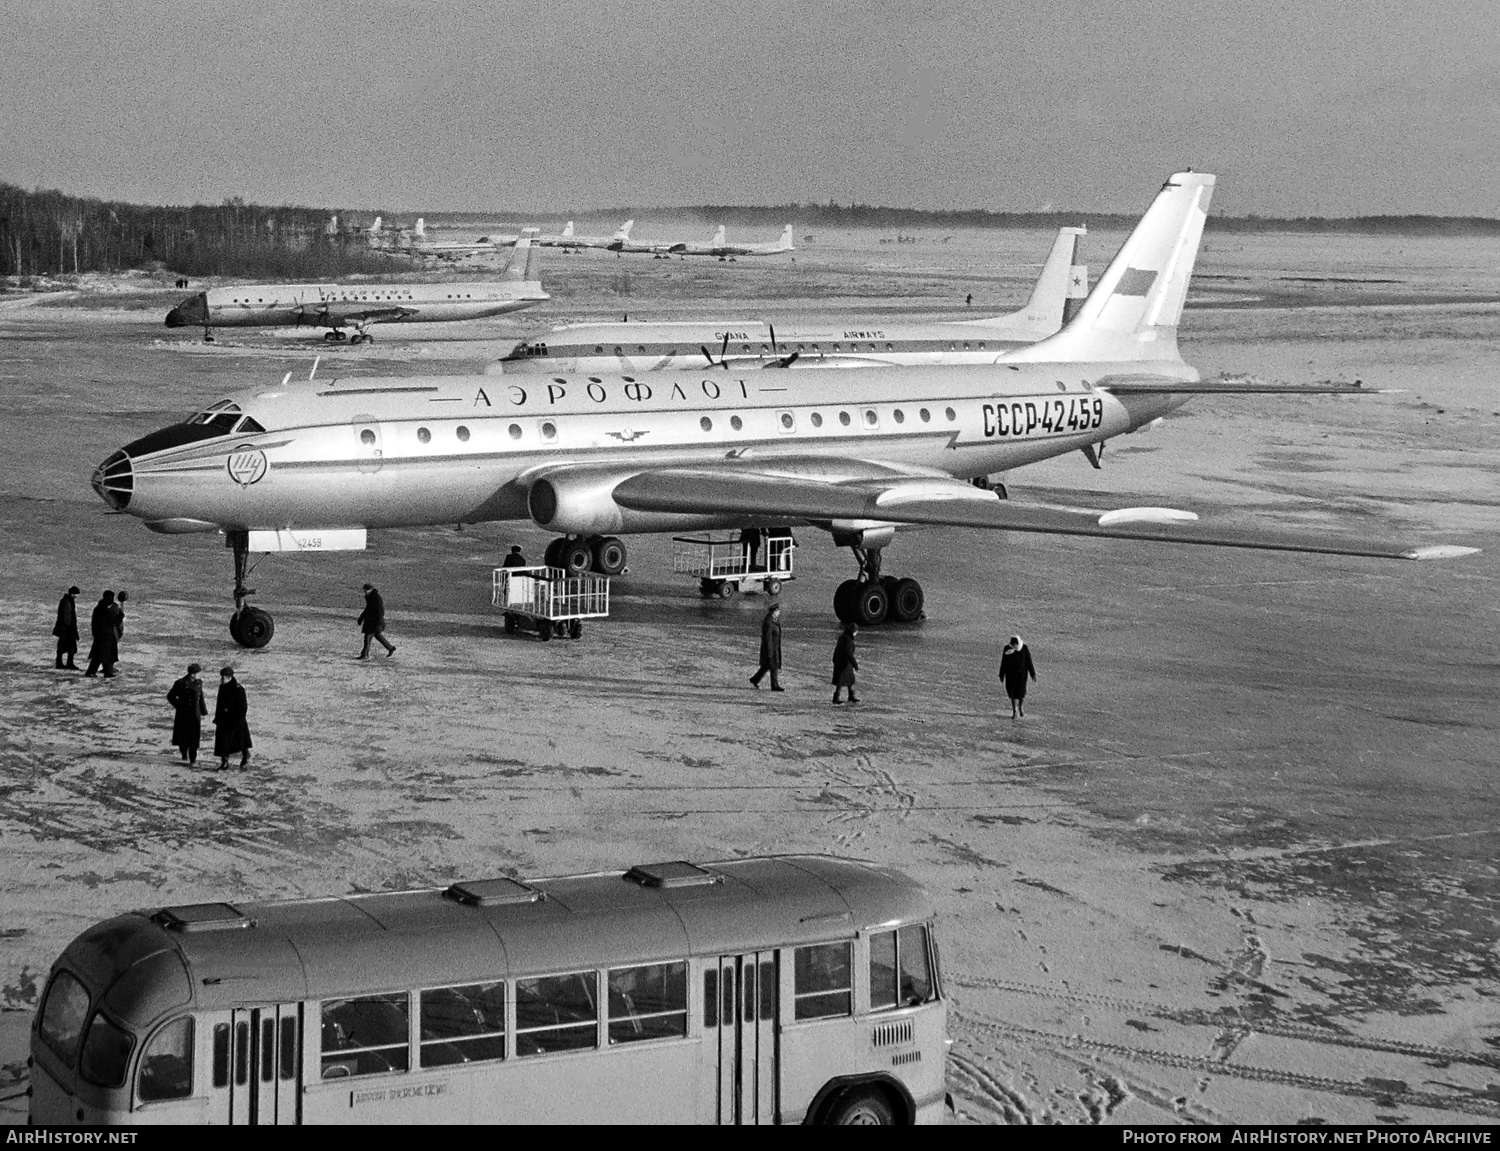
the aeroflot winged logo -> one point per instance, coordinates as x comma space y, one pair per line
246, 468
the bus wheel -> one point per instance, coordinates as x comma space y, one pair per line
861, 1105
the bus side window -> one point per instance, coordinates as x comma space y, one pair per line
365, 1036
289, 1048
167, 1063
648, 1002
916, 973
557, 1013
267, 1049
221, 1055
822, 987
767, 990
711, 997
241, 1054
882, 970
463, 1024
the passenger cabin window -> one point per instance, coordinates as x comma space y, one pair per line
463, 1024
822, 984
515, 431
844, 418
556, 1013
106, 1052
167, 1063
900, 971
736, 423
463, 435
817, 419
63, 1014
648, 1002
549, 431
365, 1036
424, 436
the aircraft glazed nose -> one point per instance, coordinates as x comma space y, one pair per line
192, 312
114, 480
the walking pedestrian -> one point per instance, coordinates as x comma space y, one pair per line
372, 622
770, 648
845, 664
103, 627
1015, 666
515, 559
186, 697
231, 731
750, 539
66, 630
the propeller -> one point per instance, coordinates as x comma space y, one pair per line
780, 361
721, 362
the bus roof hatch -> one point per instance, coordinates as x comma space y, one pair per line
492, 892
203, 917
677, 873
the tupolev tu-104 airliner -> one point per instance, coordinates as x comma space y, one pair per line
858, 453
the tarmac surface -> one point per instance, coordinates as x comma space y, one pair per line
1236, 864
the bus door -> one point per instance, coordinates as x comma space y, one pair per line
747, 1035
257, 1064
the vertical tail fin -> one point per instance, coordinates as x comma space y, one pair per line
421, 228
522, 266
718, 240
624, 232
1047, 310
786, 239
1133, 311
568, 231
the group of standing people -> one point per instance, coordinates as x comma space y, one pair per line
106, 627
231, 726
1015, 662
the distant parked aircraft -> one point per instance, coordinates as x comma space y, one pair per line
856, 342
719, 247
568, 240
337, 306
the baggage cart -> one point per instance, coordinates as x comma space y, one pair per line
724, 565
549, 601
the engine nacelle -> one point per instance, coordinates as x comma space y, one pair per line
580, 501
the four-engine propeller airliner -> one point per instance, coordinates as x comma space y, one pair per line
856, 342
568, 241
856, 453
337, 306
718, 246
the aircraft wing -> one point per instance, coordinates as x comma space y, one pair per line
918, 499
1238, 386
349, 312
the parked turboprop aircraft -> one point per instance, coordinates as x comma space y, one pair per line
567, 240
718, 246
856, 453
853, 343
420, 244
337, 306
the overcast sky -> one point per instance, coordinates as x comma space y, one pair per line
1320, 107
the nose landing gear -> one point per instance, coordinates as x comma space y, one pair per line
248, 626
875, 599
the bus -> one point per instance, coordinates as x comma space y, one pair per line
777, 989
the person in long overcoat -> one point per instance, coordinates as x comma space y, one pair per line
66, 629
515, 559
1015, 666
372, 622
845, 664
231, 731
103, 626
186, 697
770, 648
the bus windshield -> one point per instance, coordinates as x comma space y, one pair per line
63, 1013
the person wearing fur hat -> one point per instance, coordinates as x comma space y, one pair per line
231, 729
186, 698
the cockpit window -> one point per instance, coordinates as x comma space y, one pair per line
63, 1013
223, 416
249, 424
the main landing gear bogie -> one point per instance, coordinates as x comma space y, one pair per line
873, 598
577, 554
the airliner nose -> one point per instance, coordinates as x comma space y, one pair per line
114, 480
191, 313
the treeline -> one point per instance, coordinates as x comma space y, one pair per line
48, 233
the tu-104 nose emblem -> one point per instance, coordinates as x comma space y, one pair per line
246, 468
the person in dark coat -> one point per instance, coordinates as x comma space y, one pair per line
845, 664
770, 648
750, 540
231, 731
515, 559
1015, 666
66, 630
104, 627
186, 697
372, 623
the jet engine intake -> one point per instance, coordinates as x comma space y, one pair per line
580, 501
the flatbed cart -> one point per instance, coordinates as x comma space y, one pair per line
723, 566
548, 600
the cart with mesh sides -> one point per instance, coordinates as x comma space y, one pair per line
549, 601
724, 565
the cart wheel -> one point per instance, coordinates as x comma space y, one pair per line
727, 588
705, 588
560, 629
773, 587
510, 624
544, 630
575, 629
